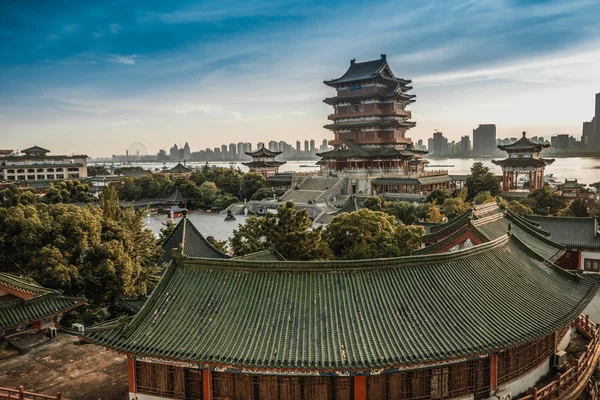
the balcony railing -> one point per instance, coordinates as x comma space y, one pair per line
21, 394
570, 384
365, 113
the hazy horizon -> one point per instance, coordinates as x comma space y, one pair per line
81, 78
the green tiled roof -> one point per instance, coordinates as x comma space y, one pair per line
44, 303
352, 315
193, 242
572, 232
132, 306
179, 169
350, 148
175, 197
442, 230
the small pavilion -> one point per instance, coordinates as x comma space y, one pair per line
263, 162
523, 160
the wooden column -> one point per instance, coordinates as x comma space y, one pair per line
207, 384
131, 374
360, 388
493, 372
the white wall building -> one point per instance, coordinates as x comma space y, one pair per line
34, 164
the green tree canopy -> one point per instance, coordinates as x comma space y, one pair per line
543, 201
373, 203
289, 232
250, 184
480, 180
371, 234
519, 208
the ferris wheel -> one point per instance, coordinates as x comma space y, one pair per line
136, 150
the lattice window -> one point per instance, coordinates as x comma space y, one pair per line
160, 379
194, 389
515, 362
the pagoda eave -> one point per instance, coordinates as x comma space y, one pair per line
523, 162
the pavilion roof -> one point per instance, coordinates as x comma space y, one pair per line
574, 232
349, 148
263, 152
193, 242
175, 197
524, 144
352, 315
366, 70
571, 184
179, 169
30, 301
524, 162
35, 149
257, 163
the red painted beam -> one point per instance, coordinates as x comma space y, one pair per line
207, 384
360, 388
131, 374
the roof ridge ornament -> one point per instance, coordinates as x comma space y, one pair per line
352, 61
383, 56
524, 133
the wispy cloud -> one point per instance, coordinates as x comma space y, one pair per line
123, 59
115, 28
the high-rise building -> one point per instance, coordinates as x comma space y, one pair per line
484, 140
223, 151
465, 145
187, 152
232, 151
438, 145
273, 146
306, 149
312, 148
174, 153
587, 132
596, 138
240, 150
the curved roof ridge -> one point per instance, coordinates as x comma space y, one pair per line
341, 265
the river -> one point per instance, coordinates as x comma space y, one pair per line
585, 169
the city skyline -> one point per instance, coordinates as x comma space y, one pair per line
95, 80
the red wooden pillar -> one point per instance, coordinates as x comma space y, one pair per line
494, 372
207, 384
131, 374
360, 388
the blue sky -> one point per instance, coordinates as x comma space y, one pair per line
94, 77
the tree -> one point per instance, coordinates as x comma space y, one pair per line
228, 180
455, 206
373, 203
438, 195
480, 180
434, 214
250, 184
290, 232
578, 208
95, 170
166, 230
371, 234
543, 201
519, 208
209, 192
483, 197
407, 213
224, 200
102, 253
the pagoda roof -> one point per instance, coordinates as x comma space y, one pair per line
30, 301
571, 184
524, 162
366, 70
351, 316
178, 169
523, 144
35, 149
573, 232
348, 149
176, 197
193, 242
384, 123
384, 96
258, 163
263, 152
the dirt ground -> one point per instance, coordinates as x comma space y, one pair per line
79, 372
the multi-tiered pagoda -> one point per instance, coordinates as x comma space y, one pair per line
523, 160
263, 162
370, 121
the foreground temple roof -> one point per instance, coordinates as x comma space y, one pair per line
28, 301
351, 315
524, 144
194, 244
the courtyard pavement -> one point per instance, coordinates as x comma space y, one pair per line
79, 372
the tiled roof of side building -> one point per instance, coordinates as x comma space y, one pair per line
494, 227
193, 242
43, 302
572, 232
440, 231
352, 315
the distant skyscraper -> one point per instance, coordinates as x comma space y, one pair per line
223, 151
596, 138
232, 151
187, 152
306, 149
484, 140
438, 145
259, 145
465, 145
587, 133
312, 148
324, 146
298, 148
174, 153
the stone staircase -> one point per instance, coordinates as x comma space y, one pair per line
311, 189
